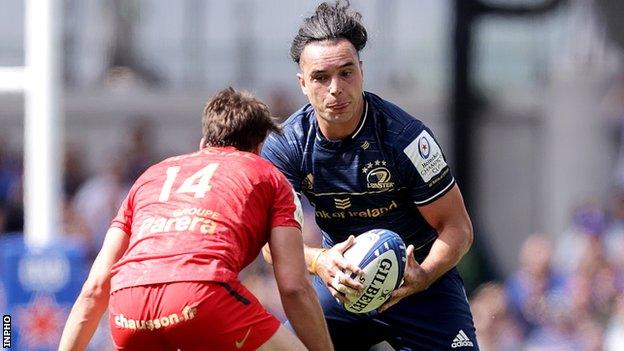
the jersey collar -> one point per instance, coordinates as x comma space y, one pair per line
337, 143
362, 120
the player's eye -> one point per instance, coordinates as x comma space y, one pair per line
347, 74
319, 79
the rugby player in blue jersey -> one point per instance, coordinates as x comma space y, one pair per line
364, 163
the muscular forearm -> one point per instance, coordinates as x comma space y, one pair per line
304, 313
450, 246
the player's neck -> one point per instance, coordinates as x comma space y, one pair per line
339, 131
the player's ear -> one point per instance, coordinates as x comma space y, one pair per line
202, 143
302, 84
362, 68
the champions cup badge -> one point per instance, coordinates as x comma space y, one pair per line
377, 175
423, 147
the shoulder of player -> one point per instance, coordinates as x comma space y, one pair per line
156, 169
297, 125
400, 127
265, 171
294, 131
263, 164
394, 118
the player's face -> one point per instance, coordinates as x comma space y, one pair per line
331, 78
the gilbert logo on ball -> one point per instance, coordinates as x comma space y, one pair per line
380, 253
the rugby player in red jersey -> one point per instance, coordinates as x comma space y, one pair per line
168, 268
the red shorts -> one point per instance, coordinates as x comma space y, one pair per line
189, 316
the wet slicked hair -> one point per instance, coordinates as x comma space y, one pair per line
236, 118
330, 22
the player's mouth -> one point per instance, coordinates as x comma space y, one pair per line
338, 106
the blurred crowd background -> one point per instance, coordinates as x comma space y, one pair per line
545, 177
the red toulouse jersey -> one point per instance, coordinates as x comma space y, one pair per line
201, 216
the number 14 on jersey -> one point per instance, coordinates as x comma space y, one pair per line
197, 184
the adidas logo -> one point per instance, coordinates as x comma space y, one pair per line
461, 340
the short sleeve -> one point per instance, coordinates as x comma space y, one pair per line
423, 164
123, 220
281, 154
286, 210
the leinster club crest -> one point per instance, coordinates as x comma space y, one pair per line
377, 175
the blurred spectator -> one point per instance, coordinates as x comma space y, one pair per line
592, 286
578, 295
588, 225
496, 327
614, 236
555, 330
74, 225
528, 288
590, 336
281, 104
572, 309
604, 292
614, 335
99, 198
74, 173
564, 330
139, 151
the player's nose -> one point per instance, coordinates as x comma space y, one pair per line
335, 87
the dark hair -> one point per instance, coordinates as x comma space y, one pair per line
236, 118
329, 22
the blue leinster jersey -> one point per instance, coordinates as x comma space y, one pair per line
375, 178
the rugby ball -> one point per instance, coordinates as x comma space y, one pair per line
380, 253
